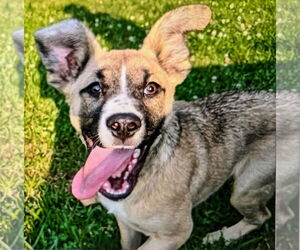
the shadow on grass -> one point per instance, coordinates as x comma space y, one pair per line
67, 223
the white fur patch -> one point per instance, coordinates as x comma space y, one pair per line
113, 207
123, 81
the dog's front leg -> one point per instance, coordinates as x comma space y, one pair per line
163, 242
130, 239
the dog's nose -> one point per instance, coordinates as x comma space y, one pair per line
123, 126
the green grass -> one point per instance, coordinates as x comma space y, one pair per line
236, 51
11, 129
287, 45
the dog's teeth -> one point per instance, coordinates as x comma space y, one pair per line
125, 186
106, 185
137, 153
117, 175
130, 167
126, 175
134, 161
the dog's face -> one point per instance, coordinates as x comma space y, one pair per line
119, 99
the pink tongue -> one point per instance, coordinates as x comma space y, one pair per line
99, 166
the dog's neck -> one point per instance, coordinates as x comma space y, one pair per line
167, 138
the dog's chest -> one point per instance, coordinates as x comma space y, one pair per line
113, 207
121, 212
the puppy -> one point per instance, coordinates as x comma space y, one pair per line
152, 159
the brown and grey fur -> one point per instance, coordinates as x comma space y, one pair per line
198, 145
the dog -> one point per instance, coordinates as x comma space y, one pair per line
152, 159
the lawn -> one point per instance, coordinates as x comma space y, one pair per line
11, 129
236, 51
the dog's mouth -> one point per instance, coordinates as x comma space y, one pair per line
112, 172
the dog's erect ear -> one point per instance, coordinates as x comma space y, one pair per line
18, 38
65, 48
166, 40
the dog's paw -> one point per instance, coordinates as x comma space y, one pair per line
212, 237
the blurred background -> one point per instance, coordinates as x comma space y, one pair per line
11, 126
288, 164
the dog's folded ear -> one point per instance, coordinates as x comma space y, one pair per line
166, 40
65, 48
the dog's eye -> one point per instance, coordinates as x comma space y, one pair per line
94, 89
152, 89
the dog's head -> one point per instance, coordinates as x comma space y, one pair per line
119, 99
